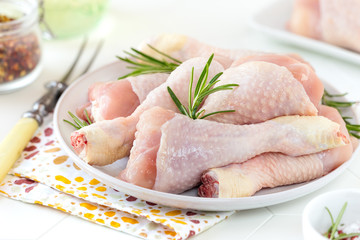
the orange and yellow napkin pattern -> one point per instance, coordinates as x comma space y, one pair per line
46, 175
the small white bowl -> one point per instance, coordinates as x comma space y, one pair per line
316, 220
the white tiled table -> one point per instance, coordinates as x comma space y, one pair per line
221, 23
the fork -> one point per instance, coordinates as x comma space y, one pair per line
19, 136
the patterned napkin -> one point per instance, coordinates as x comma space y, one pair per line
45, 175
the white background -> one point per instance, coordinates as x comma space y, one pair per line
220, 23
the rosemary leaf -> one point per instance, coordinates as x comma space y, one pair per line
212, 113
203, 89
202, 76
164, 54
149, 58
138, 57
217, 89
197, 114
77, 121
344, 236
331, 216
337, 221
190, 88
326, 93
355, 135
353, 129
177, 101
87, 116
338, 104
213, 81
142, 63
334, 226
75, 126
78, 124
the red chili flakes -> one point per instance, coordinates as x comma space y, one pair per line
48, 132
19, 55
4, 18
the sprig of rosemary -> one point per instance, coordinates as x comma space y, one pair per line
334, 226
326, 99
202, 90
78, 124
142, 63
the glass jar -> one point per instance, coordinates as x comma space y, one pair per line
68, 18
20, 44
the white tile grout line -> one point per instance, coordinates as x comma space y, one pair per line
353, 173
260, 225
18, 239
53, 226
350, 170
267, 208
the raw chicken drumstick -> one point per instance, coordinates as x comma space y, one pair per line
109, 100
300, 69
182, 47
333, 21
188, 147
274, 169
305, 19
141, 166
106, 141
119, 98
265, 91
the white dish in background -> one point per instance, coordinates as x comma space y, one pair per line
316, 220
272, 21
76, 95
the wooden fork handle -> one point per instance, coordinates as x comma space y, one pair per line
14, 143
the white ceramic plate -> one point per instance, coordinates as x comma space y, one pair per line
316, 220
76, 95
272, 21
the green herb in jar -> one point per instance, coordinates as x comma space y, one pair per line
333, 232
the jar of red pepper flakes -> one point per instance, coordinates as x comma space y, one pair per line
20, 44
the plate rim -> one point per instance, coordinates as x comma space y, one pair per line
301, 41
191, 202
